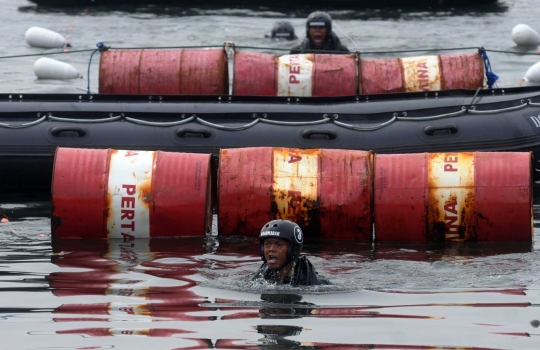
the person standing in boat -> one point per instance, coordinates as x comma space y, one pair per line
319, 36
281, 243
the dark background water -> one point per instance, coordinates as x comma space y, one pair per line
195, 292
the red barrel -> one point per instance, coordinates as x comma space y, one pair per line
327, 192
182, 72
295, 75
254, 74
130, 194
426, 73
464, 71
453, 197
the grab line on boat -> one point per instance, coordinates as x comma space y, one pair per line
325, 119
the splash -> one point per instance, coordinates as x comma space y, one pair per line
5, 220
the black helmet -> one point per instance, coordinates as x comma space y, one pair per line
319, 19
283, 30
287, 230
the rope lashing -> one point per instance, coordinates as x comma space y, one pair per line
100, 47
491, 77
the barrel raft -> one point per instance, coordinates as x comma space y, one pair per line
205, 72
331, 193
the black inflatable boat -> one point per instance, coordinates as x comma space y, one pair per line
33, 126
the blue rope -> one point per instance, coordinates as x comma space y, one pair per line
491, 77
100, 47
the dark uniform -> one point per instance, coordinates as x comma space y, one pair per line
331, 42
303, 272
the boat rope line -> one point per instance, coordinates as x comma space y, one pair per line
531, 103
47, 53
367, 128
325, 119
144, 122
25, 125
86, 121
523, 104
462, 111
275, 49
228, 128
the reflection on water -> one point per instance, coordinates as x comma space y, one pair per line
195, 293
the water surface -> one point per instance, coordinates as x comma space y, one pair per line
196, 293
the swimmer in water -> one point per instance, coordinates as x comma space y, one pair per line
281, 243
283, 30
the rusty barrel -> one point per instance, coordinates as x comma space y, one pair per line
178, 72
327, 192
306, 75
453, 197
425, 73
130, 194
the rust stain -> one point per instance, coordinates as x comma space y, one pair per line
469, 219
297, 208
108, 212
146, 197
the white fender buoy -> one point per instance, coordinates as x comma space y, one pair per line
47, 68
41, 37
532, 74
524, 35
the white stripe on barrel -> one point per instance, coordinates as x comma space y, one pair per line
130, 172
295, 75
421, 73
451, 183
295, 179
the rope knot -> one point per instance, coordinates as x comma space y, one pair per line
490, 76
102, 47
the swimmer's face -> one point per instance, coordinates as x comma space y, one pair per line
275, 252
318, 36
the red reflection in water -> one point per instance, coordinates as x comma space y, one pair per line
109, 259
107, 332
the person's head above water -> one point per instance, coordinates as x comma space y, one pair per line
320, 38
281, 243
283, 30
318, 26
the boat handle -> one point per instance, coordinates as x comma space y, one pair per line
443, 129
193, 133
308, 134
72, 131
